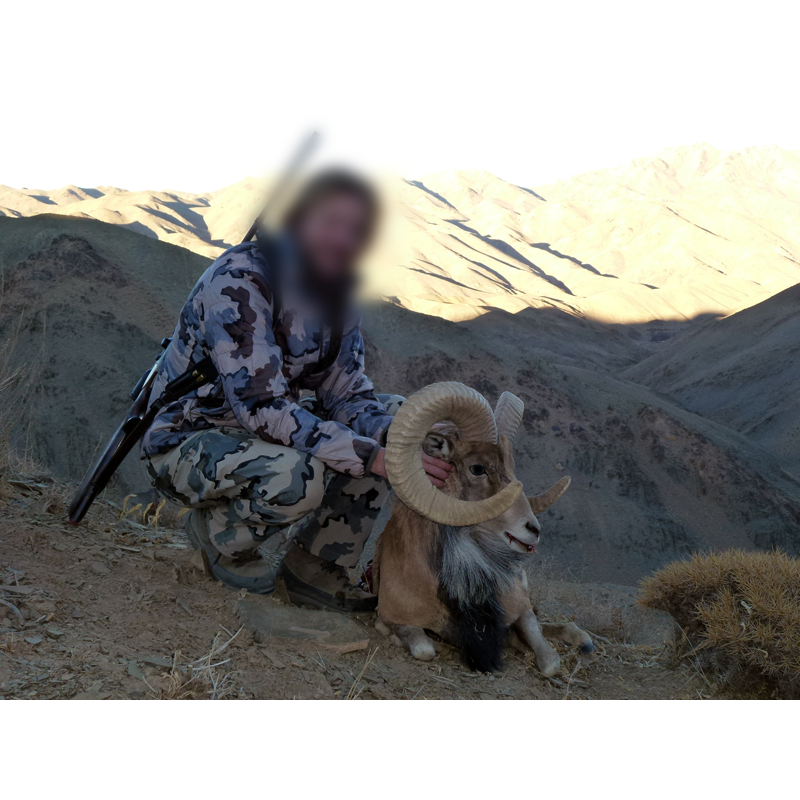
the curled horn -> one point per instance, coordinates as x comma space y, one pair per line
473, 416
508, 414
546, 499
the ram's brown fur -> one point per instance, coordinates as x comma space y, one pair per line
409, 552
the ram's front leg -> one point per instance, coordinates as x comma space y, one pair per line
570, 634
414, 639
528, 629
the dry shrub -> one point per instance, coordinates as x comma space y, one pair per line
740, 613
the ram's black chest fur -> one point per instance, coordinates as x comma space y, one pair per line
470, 579
478, 630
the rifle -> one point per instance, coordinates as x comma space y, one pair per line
288, 175
139, 417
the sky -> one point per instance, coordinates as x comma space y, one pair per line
196, 95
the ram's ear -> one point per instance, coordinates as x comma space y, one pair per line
439, 445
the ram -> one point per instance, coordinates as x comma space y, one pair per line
452, 561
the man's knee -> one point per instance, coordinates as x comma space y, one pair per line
392, 402
296, 491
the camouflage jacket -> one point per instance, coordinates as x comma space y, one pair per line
229, 316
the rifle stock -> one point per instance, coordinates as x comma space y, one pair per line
135, 424
138, 419
122, 442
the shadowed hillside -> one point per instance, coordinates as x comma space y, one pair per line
651, 481
742, 371
86, 304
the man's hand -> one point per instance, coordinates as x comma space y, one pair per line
436, 469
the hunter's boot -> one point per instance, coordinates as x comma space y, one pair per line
248, 570
313, 581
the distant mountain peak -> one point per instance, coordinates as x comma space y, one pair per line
689, 231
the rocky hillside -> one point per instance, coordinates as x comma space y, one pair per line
651, 480
742, 371
83, 308
84, 305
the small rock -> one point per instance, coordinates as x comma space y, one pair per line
134, 671
99, 569
92, 696
21, 590
157, 661
33, 639
267, 619
77, 614
274, 660
54, 633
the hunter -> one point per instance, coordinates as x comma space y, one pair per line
245, 453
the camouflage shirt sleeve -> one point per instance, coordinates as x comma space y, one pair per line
347, 394
238, 334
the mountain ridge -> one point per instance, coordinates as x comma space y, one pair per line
690, 232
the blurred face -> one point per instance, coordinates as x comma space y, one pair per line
332, 235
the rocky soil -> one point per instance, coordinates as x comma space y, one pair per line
117, 609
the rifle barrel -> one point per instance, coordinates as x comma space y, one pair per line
294, 166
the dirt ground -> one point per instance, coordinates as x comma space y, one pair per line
115, 609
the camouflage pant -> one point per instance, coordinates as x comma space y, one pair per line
250, 490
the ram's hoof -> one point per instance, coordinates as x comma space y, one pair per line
423, 651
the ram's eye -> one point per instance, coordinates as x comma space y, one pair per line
477, 469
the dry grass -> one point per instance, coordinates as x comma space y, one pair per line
740, 615
201, 679
355, 692
16, 385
